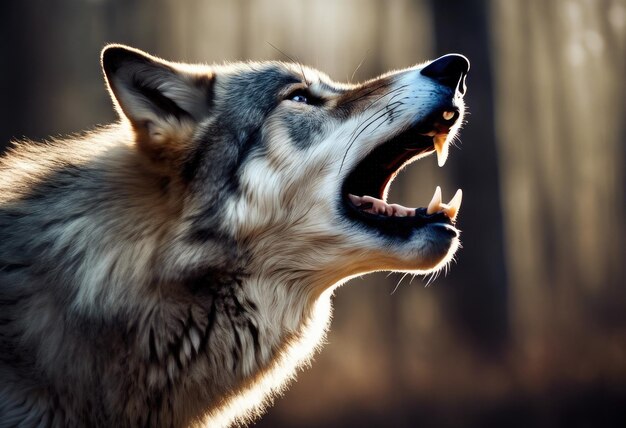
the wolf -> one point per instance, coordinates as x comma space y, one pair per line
175, 268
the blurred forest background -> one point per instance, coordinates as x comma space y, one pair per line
529, 327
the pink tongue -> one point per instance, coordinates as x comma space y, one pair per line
378, 206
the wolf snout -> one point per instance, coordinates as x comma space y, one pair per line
449, 70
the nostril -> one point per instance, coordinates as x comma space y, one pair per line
449, 70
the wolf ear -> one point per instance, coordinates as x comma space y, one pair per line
162, 103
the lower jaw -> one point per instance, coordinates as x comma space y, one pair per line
436, 253
419, 260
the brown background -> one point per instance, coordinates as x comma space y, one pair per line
529, 327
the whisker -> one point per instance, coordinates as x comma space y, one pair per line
430, 279
365, 121
374, 89
281, 52
372, 103
390, 114
375, 101
359, 66
380, 115
398, 284
294, 61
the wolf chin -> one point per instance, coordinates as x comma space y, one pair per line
175, 268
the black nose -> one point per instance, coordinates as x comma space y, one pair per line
449, 70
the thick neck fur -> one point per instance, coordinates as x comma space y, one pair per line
229, 347
162, 346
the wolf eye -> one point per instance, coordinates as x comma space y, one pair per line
302, 95
299, 98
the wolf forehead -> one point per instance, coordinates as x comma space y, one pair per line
242, 96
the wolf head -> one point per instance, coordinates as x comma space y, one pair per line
283, 171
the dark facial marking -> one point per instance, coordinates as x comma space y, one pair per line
306, 126
253, 95
238, 116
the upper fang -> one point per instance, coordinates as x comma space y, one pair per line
442, 148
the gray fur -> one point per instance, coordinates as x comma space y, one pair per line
134, 290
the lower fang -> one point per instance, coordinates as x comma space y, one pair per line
435, 203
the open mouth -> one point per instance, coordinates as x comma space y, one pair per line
364, 191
